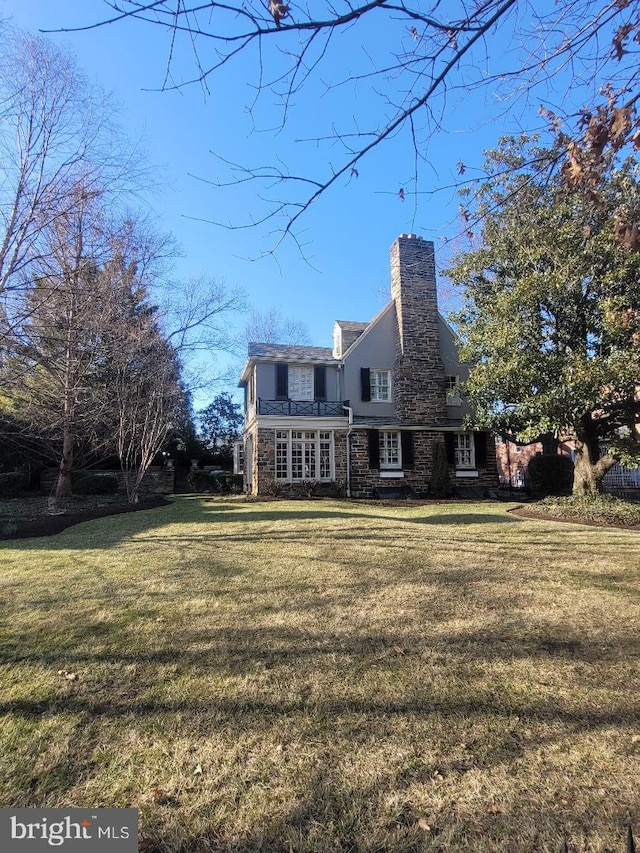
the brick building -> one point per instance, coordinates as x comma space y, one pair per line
361, 418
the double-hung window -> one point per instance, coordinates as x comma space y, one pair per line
453, 390
464, 450
304, 455
380, 385
390, 450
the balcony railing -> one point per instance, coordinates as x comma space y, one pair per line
303, 408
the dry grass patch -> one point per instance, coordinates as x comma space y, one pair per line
326, 676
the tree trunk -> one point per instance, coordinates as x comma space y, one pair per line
590, 468
63, 485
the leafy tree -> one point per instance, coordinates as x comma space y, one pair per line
221, 425
551, 308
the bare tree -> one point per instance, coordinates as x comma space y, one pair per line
271, 327
147, 396
408, 63
53, 127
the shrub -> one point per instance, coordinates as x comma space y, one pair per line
603, 509
95, 484
440, 476
12, 482
229, 483
550, 474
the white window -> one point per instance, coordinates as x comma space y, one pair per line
304, 455
464, 450
300, 383
380, 385
453, 391
390, 455
238, 458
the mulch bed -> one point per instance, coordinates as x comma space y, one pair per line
526, 512
49, 525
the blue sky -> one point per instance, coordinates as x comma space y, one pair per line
347, 234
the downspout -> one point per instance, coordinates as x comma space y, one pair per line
350, 411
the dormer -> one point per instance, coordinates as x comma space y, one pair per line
345, 333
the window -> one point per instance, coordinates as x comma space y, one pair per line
390, 456
453, 391
380, 385
304, 455
464, 450
301, 383
238, 458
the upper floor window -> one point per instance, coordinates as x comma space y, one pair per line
453, 390
380, 386
300, 383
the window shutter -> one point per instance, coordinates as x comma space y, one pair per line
480, 439
320, 382
282, 381
450, 447
365, 385
406, 442
374, 447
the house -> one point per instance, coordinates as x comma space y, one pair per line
361, 417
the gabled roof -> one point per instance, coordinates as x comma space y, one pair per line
289, 352
351, 325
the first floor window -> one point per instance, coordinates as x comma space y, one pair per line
238, 458
463, 450
304, 455
390, 450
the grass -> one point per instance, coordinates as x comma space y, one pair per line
327, 676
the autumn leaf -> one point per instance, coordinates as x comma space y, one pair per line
461, 167
161, 797
198, 770
399, 650
354, 172
401, 194
422, 823
414, 33
493, 810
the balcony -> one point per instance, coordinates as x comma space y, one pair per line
303, 408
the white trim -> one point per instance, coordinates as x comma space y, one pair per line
297, 422
390, 474
461, 473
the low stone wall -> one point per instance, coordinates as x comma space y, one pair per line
157, 480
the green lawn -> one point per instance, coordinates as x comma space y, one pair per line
327, 676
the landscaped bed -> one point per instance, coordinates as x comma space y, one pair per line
30, 516
327, 676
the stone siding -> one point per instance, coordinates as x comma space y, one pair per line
418, 377
418, 478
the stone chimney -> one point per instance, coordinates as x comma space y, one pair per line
418, 376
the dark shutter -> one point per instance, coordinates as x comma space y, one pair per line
282, 381
406, 443
450, 447
480, 439
320, 382
365, 385
374, 448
